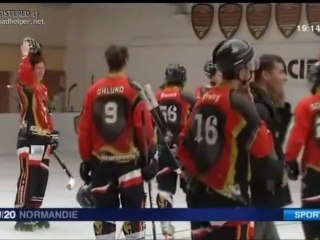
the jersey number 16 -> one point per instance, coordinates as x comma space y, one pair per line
169, 113
206, 129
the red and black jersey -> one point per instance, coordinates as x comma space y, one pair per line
305, 132
216, 142
111, 125
35, 114
175, 106
200, 91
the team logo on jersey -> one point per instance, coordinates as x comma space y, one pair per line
258, 18
229, 18
202, 19
313, 17
76, 123
288, 16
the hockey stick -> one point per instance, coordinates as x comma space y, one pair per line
92, 79
155, 106
146, 155
15, 96
69, 94
72, 181
157, 117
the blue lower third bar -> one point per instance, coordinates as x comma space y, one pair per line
301, 214
127, 214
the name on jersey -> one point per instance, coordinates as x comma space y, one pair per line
168, 95
211, 96
110, 90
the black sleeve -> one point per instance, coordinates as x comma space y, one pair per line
189, 98
263, 112
246, 108
269, 167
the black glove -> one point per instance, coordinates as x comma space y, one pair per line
85, 172
292, 169
54, 140
150, 171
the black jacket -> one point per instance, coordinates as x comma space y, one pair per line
270, 194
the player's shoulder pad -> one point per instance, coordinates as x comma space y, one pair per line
245, 107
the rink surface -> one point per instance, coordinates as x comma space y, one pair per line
58, 196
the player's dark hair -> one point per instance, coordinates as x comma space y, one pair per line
35, 59
267, 63
116, 57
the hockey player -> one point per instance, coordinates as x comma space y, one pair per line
223, 129
213, 74
115, 129
175, 105
305, 133
268, 93
35, 137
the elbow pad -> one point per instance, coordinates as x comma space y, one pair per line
270, 167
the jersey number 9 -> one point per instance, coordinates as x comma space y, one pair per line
111, 112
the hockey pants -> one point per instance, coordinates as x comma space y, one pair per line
114, 184
34, 171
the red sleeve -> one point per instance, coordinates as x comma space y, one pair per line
197, 92
84, 134
25, 72
144, 130
263, 144
297, 132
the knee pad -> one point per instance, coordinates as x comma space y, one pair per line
164, 200
105, 229
133, 230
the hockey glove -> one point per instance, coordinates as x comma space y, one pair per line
54, 141
85, 172
292, 169
151, 170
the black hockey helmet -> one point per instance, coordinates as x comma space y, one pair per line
35, 45
210, 69
231, 55
176, 74
314, 77
84, 196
